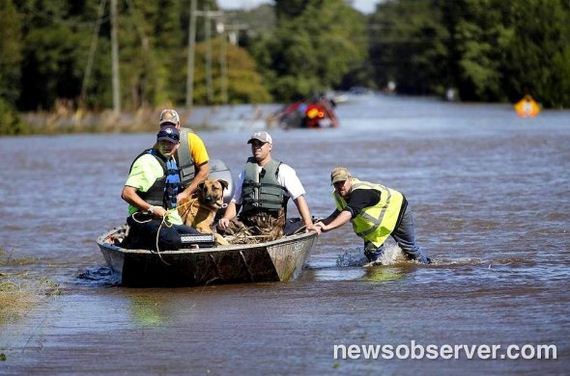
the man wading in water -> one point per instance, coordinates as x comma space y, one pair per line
376, 212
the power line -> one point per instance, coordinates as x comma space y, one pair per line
92, 49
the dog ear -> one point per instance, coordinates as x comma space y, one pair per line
224, 183
200, 186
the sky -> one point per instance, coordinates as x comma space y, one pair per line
365, 6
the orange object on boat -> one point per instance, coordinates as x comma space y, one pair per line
527, 107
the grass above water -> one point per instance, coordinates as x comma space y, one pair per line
20, 291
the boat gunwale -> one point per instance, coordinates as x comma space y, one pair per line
234, 247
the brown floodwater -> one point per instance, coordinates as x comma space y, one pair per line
491, 196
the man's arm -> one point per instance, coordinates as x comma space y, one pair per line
330, 218
201, 175
130, 195
339, 220
305, 213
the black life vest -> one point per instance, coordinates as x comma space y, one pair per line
163, 192
262, 190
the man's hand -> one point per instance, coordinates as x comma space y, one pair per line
158, 211
223, 223
183, 195
321, 227
312, 227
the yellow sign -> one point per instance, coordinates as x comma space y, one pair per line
527, 107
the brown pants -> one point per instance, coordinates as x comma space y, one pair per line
255, 227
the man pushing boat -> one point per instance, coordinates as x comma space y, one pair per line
376, 212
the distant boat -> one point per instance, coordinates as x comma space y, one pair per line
316, 113
527, 107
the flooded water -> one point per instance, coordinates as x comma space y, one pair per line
491, 196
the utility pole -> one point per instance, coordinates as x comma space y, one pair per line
208, 15
207, 35
115, 59
191, 47
220, 28
92, 50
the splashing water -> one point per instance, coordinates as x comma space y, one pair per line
97, 276
351, 258
355, 257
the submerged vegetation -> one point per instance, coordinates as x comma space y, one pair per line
19, 291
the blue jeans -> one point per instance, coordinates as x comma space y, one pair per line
405, 236
142, 234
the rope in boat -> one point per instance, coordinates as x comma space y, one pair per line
167, 224
162, 222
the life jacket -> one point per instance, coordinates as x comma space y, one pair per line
375, 223
163, 192
262, 190
184, 159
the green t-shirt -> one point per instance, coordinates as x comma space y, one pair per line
145, 171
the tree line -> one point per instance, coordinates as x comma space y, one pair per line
487, 50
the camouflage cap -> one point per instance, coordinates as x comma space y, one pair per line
340, 174
169, 116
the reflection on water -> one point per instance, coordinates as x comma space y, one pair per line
383, 274
491, 196
146, 311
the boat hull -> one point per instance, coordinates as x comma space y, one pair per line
279, 260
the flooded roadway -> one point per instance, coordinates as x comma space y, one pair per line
491, 195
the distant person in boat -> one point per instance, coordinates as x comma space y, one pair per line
263, 189
376, 212
192, 155
151, 191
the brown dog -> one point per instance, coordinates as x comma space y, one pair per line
199, 211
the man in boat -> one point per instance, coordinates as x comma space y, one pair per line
376, 212
151, 191
192, 155
263, 189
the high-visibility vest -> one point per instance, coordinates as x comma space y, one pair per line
375, 223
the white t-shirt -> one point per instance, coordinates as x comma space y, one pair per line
286, 176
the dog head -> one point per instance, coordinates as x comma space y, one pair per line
211, 193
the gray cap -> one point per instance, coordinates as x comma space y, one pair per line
261, 136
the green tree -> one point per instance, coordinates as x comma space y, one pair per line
11, 55
10, 59
538, 54
408, 46
55, 38
244, 84
481, 37
313, 49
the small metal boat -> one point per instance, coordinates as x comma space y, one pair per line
278, 260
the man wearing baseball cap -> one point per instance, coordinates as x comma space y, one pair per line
263, 190
376, 212
151, 191
192, 155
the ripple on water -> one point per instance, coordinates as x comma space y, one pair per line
97, 277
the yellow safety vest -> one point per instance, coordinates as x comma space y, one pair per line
375, 223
